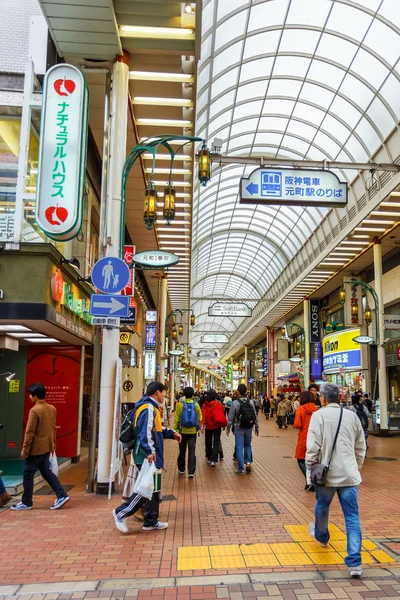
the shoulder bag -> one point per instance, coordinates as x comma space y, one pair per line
319, 472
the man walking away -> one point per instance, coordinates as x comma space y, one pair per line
40, 440
281, 413
343, 476
187, 422
150, 435
243, 417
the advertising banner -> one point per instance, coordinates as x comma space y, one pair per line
58, 368
129, 252
339, 350
264, 355
150, 365
316, 360
315, 325
151, 336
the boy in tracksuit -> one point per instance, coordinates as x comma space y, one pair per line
188, 432
149, 446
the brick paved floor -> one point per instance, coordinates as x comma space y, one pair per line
80, 542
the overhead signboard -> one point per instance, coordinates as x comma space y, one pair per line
391, 321
314, 320
208, 353
155, 259
214, 338
294, 187
62, 153
110, 275
151, 336
106, 321
105, 306
225, 309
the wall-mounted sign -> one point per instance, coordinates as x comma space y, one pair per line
110, 275
363, 339
391, 321
62, 153
155, 259
264, 354
151, 336
129, 252
124, 337
341, 351
209, 353
131, 319
57, 286
150, 365
214, 338
13, 386
293, 187
316, 360
224, 309
151, 316
315, 328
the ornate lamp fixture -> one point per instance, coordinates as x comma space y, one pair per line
342, 295
283, 332
368, 315
192, 320
174, 332
169, 203
150, 205
204, 164
180, 330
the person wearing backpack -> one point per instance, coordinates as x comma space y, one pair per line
188, 421
361, 411
213, 419
243, 417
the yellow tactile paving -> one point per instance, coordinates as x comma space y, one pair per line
369, 545
339, 546
382, 556
336, 534
298, 533
261, 560
193, 551
325, 558
286, 548
294, 560
227, 562
231, 550
314, 547
194, 562
366, 558
252, 549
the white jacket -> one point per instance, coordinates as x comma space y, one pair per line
349, 452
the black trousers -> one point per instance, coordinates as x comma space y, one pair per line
41, 462
302, 464
189, 442
213, 437
281, 421
136, 501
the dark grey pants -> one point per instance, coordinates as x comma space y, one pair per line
189, 442
41, 462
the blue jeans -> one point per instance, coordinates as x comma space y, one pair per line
2, 488
243, 446
348, 501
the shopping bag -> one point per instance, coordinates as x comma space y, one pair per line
53, 463
145, 482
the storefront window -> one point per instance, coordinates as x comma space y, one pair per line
10, 122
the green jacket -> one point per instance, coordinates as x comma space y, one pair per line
178, 414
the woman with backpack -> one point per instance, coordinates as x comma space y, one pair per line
188, 420
213, 420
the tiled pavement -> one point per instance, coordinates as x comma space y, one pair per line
80, 542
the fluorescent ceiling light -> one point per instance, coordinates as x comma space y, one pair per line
349, 242
43, 341
144, 31
361, 237
153, 101
357, 248
336, 260
174, 242
14, 328
377, 222
167, 157
178, 249
379, 229
165, 122
174, 230
177, 205
177, 214
162, 171
158, 182
336, 264
322, 273
382, 213
390, 204
343, 254
154, 139
173, 237
27, 335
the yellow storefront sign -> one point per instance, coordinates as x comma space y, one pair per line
342, 341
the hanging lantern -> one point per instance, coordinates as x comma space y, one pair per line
342, 296
298, 345
283, 332
192, 320
204, 165
190, 350
174, 333
368, 315
150, 206
354, 310
180, 330
169, 203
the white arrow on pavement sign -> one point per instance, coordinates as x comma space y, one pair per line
112, 304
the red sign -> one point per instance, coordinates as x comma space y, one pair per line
58, 368
129, 252
12, 445
57, 286
398, 352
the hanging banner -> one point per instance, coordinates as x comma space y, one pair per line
62, 153
129, 252
316, 360
221, 309
264, 355
150, 365
315, 326
151, 336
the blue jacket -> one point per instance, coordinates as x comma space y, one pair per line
150, 431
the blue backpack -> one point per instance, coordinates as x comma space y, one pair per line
189, 415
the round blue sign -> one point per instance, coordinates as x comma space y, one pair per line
110, 275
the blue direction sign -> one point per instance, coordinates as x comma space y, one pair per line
106, 306
110, 275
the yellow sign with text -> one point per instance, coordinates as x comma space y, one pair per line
342, 341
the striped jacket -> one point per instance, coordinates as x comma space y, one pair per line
150, 432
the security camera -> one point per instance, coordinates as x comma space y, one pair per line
385, 341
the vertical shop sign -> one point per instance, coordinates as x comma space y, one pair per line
151, 336
315, 326
62, 153
264, 355
58, 368
316, 360
129, 252
150, 365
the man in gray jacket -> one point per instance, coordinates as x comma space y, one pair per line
243, 418
344, 473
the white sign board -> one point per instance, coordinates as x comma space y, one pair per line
391, 321
222, 309
62, 153
150, 365
294, 187
106, 321
214, 338
155, 259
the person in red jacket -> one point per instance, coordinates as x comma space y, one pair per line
302, 421
213, 419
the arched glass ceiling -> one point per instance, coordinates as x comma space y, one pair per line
314, 79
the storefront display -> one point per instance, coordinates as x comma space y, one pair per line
342, 361
392, 350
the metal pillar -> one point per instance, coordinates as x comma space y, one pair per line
383, 386
232, 375
269, 370
118, 135
161, 336
246, 365
307, 346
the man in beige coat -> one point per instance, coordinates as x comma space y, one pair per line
343, 476
40, 440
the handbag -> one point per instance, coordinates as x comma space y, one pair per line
53, 463
131, 477
219, 416
318, 471
145, 482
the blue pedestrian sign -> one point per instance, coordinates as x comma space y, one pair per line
110, 275
106, 306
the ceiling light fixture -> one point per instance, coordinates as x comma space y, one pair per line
164, 122
8, 328
362, 237
144, 31
43, 341
153, 101
167, 157
160, 183
163, 171
377, 229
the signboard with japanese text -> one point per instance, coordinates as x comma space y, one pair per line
222, 309
315, 360
264, 354
391, 321
340, 350
214, 338
131, 319
150, 365
294, 187
129, 252
315, 327
62, 153
151, 336
155, 259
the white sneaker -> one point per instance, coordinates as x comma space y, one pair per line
21, 506
191, 476
355, 571
159, 525
212, 464
311, 531
120, 523
181, 472
59, 502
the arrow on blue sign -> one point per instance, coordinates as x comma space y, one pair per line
104, 306
252, 188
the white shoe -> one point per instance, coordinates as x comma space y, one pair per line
21, 506
191, 476
159, 525
181, 472
355, 571
120, 523
212, 464
311, 531
59, 502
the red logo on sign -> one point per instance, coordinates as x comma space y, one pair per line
57, 286
12, 445
64, 87
56, 215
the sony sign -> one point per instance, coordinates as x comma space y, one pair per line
315, 329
